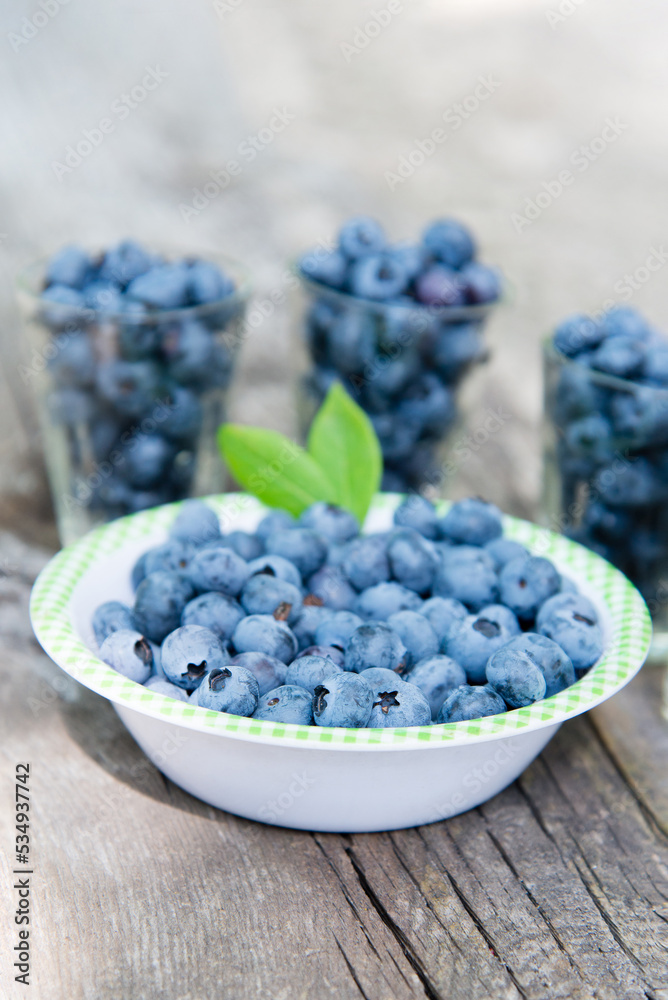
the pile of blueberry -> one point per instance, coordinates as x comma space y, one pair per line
401, 338
135, 348
607, 395
438, 620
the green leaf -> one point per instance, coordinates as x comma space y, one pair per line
272, 467
344, 444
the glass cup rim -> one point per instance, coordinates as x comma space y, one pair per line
449, 313
27, 278
602, 379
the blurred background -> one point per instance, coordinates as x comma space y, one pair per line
323, 105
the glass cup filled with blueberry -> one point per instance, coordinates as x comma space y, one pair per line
132, 353
606, 468
400, 325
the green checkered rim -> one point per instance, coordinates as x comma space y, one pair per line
628, 637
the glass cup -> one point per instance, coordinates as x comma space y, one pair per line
130, 401
402, 362
606, 473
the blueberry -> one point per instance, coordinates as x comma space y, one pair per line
218, 568
163, 287
207, 283
343, 700
230, 689
576, 334
413, 560
268, 671
472, 641
333, 523
130, 386
310, 671
360, 237
418, 513
159, 603
128, 652
503, 616
195, 522
468, 702
365, 561
442, 613
188, 653
378, 276
172, 555
621, 356
450, 242
576, 395
412, 257
467, 574
331, 586
247, 546
655, 367
514, 675
275, 520
274, 565
632, 485
103, 297
74, 365
566, 602
381, 678
436, 676
590, 437
374, 644
161, 686
146, 460
303, 547
125, 262
70, 266
352, 341
328, 267
416, 634
286, 705
111, 617
139, 571
641, 415
504, 550
578, 635
337, 628
386, 599
457, 347
215, 611
332, 653
440, 286
266, 595
527, 583
308, 622
64, 306
191, 354
401, 705
183, 420
553, 663
481, 284
472, 522
265, 634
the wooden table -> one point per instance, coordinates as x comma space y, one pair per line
558, 887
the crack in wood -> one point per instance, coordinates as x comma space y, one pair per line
351, 968
429, 988
346, 896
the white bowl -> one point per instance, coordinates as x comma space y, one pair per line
311, 777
